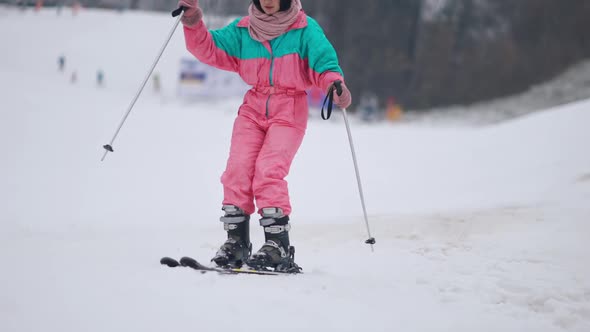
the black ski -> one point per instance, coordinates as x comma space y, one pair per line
195, 265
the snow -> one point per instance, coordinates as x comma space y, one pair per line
479, 228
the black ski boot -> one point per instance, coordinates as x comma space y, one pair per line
276, 253
237, 248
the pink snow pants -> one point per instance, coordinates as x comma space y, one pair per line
267, 133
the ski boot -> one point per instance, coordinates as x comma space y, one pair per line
276, 253
237, 248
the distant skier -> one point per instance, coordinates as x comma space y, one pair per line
76, 8
59, 6
369, 105
61, 63
38, 5
100, 78
394, 110
21, 4
156, 82
280, 52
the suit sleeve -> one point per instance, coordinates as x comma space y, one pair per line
217, 48
323, 60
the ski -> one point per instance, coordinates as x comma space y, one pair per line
195, 265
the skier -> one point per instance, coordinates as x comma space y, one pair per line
157, 84
369, 105
59, 6
74, 77
281, 52
61, 62
38, 5
100, 78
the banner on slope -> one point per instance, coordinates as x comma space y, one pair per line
198, 80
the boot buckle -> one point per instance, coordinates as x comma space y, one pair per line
277, 229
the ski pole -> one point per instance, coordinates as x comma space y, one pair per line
109, 147
371, 240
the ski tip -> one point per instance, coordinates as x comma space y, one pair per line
187, 261
170, 262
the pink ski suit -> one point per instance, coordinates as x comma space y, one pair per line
272, 120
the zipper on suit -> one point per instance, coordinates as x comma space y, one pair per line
272, 63
267, 101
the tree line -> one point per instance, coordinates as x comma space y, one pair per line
460, 52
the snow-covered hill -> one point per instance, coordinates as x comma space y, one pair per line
478, 229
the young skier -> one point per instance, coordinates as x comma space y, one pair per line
281, 52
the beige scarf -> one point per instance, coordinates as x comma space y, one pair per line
265, 27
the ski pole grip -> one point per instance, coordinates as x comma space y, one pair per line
338, 85
178, 11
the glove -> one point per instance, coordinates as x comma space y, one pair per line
345, 99
192, 12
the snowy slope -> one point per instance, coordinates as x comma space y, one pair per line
478, 229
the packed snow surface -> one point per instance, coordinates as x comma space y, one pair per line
478, 228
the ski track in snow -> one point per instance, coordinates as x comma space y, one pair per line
478, 229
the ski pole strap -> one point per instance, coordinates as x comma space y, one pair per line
330, 99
